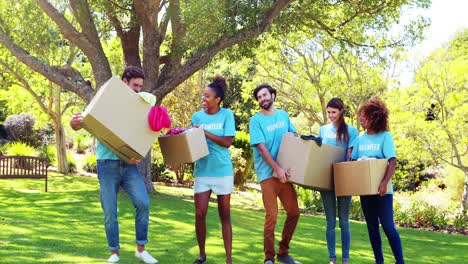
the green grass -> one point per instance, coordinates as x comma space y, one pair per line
65, 226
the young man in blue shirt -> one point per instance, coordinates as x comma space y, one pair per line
266, 130
113, 173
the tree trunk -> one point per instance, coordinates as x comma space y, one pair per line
62, 163
56, 116
145, 169
465, 193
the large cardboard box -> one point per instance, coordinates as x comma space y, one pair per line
118, 117
308, 164
359, 177
184, 148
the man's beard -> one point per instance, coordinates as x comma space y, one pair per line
267, 106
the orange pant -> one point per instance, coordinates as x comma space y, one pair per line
272, 189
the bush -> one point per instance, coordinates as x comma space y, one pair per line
49, 152
310, 200
21, 128
239, 164
427, 208
3, 149
242, 141
90, 163
20, 149
355, 211
158, 169
82, 144
460, 221
181, 170
71, 163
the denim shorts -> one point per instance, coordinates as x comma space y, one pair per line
219, 185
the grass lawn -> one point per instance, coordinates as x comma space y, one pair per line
65, 226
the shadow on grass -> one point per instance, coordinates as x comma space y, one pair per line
65, 225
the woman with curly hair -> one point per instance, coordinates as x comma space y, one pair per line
377, 142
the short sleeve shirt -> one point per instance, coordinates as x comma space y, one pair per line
218, 163
268, 129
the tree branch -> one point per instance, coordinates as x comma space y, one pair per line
23, 83
203, 56
81, 89
88, 41
147, 13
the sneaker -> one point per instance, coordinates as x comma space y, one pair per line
114, 258
287, 259
269, 261
145, 257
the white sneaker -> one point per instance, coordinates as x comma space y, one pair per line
146, 257
114, 258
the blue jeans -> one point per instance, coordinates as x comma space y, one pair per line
344, 204
115, 173
377, 209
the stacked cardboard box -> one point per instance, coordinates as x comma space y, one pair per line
118, 117
184, 148
359, 177
307, 163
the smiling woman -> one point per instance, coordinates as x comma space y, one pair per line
214, 173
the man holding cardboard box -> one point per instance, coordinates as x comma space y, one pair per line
113, 173
266, 130
377, 142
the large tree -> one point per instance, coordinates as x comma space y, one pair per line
308, 74
436, 108
180, 37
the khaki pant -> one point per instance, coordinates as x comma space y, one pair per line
272, 189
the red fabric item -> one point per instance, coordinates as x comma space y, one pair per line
158, 118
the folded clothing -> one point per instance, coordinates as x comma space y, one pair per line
317, 140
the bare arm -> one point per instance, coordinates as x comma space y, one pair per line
388, 176
222, 141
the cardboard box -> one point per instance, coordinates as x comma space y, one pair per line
118, 117
359, 177
184, 148
308, 164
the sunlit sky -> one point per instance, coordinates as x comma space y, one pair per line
447, 17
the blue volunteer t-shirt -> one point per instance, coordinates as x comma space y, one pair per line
218, 163
103, 152
328, 135
268, 129
379, 146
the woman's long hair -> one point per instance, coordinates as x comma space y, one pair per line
342, 134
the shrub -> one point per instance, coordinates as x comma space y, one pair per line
158, 169
20, 149
181, 170
90, 163
242, 141
460, 221
49, 152
3, 149
239, 164
355, 211
82, 144
309, 199
21, 128
71, 163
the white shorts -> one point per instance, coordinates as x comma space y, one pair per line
219, 185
